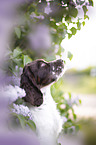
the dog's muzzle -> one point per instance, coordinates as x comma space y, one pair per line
57, 67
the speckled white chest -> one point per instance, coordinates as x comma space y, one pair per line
47, 119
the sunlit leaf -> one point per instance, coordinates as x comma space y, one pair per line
84, 9
17, 52
73, 12
86, 17
31, 125
73, 30
69, 95
82, 2
60, 50
70, 55
80, 101
74, 116
26, 59
83, 23
78, 25
69, 35
18, 61
22, 120
18, 32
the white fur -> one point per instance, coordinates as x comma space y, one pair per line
47, 119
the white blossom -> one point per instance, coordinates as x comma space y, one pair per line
23, 110
12, 93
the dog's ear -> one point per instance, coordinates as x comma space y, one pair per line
33, 94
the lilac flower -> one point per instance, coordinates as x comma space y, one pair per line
48, 9
64, 119
15, 79
74, 100
23, 110
33, 15
11, 93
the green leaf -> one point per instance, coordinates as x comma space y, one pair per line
83, 23
60, 50
84, 9
64, 62
80, 101
90, 2
19, 101
17, 52
78, 25
18, 61
86, 17
26, 59
73, 12
69, 95
31, 8
22, 120
31, 125
51, 58
18, 32
73, 30
69, 35
74, 115
82, 2
70, 55
68, 18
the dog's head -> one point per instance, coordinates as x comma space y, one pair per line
38, 74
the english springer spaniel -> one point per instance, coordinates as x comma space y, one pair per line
36, 79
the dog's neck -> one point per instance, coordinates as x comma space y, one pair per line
45, 89
46, 92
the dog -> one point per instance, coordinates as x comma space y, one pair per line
36, 79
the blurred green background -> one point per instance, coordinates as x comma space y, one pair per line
82, 81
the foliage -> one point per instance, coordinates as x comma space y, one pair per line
61, 19
21, 121
17, 58
65, 103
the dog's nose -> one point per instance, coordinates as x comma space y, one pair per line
60, 60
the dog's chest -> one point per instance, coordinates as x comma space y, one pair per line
46, 117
